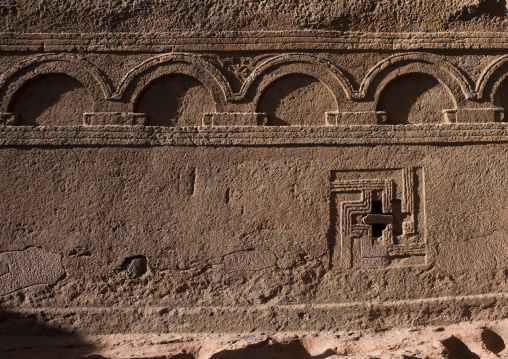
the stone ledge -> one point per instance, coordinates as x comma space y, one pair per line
253, 135
251, 40
474, 115
318, 317
479, 339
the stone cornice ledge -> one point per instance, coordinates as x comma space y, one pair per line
253, 135
276, 318
252, 41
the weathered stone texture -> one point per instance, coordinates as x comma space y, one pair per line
311, 179
234, 15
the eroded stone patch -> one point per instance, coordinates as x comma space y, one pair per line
250, 260
29, 267
135, 266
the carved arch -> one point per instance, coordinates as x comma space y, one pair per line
280, 66
491, 78
395, 66
411, 69
13, 81
138, 79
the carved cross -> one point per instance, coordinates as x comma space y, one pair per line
378, 219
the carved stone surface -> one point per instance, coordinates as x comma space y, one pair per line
381, 226
28, 268
298, 179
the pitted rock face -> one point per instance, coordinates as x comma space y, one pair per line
4, 268
135, 266
233, 15
250, 260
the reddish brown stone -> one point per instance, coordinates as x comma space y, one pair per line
326, 176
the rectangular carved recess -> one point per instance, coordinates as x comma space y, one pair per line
377, 218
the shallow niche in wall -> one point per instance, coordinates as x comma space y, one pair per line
415, 99
52, 100
501, 98
297, 100
176, 100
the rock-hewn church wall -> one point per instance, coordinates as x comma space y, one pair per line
229, 179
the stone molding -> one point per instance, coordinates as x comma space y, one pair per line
253, 135
252, 41
319, 316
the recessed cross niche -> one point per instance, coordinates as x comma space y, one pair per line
375, 216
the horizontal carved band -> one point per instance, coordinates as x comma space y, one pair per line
248, 40
342, 316
252, 135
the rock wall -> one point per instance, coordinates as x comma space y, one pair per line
243, 180
236, 15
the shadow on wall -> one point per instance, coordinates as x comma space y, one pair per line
176, 100
297, 100
27, 337
493, 341
458, 350
54, 100
415, 99
292, 350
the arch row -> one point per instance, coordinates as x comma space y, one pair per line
338, 81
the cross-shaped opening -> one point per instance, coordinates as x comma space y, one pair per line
378, 228
377, 219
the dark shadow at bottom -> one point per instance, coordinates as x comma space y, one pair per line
28, 336
292, 350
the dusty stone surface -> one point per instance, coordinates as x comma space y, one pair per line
230, 179
233, 15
